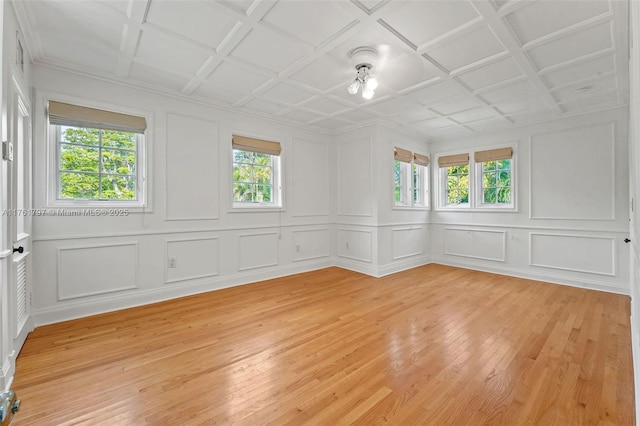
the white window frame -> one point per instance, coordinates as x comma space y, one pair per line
423, 177
480, 205
277, 175
142, 201
475, 184
407, 199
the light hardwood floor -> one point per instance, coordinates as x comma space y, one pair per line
432, 345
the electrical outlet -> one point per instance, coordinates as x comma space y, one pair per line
172, 262
346, 246
298, 248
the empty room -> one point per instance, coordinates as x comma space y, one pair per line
319, 212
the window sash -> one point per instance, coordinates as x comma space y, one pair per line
100, 174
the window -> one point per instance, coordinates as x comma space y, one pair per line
454, 170
489, 187
98, 157
494, 170
411, 179
256, 173
420, 180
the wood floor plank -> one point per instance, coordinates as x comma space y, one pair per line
432, 345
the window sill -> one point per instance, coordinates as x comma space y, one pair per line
256, 209
105, 208
398, 207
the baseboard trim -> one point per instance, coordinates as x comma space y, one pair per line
587, 284
174, 290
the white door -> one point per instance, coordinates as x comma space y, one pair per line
19, 210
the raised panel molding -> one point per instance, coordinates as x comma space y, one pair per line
573, 173
310, 244
577, 253
257, 250
96, 269
354, 178
475, 243
407, 242
355, 244
310, 175
195, 258
192, 181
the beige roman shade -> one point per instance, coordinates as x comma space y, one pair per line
420, 159
79, 116
453, 160
256, 145
403, 155
493, 155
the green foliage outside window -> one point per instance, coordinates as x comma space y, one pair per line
252, 177
458, 184
97, 164
397, 179
496, 182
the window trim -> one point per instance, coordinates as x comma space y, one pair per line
277, 170
143, 165
475, 183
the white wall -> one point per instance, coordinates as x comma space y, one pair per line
87, 265
373, 236
571, 196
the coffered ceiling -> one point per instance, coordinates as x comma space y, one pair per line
446, 68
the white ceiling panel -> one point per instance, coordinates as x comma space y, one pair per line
576, 45
198, 20
268, 49
445, 68
324, 74
466, 49
155, 48
473, 115
157, 78
519, 105
580, 89
311, 21
591, 102
421, 22
286, 93
506, 69
541, 18
394, 105
519, 89
431, 94
357, 115
325, 106
417, 114
237, 77
454, 105
217, 94
581, 71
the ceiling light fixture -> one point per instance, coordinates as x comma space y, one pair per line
363, 58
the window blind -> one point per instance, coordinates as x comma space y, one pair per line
255, 145
422, 160
453, 160
64, 114
493, 155
402, 155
